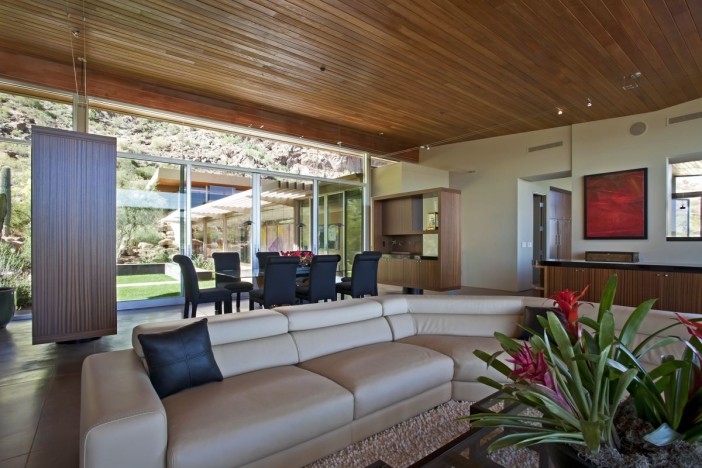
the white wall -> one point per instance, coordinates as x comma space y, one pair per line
490, 235
406, 177
496, 205
607, 146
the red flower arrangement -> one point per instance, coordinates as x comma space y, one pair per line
305, 255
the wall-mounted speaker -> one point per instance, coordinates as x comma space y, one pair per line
637, 128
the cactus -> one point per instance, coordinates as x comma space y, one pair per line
5, 183
3, 206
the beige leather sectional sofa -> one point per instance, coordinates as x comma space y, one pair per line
299, 382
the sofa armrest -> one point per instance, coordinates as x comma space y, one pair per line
122, 419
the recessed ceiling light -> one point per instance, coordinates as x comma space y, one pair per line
559, 111
589, 102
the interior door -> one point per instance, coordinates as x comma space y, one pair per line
539, 231
559, 223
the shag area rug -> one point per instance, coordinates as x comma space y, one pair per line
404, 443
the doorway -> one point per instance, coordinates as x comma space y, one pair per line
539, 236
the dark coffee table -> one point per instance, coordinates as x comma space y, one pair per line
470, 449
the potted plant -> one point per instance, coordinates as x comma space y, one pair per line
582, 380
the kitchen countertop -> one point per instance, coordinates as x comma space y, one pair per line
414, 256
641, 266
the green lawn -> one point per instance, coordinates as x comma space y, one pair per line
159, 287
131, 279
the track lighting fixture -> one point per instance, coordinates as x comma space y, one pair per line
589, 102
559, 111
631, 81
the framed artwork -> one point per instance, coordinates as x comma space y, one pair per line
616, 205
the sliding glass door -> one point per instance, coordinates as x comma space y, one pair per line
340, 222
150, 218
221, 215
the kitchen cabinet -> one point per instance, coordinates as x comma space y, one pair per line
419, 233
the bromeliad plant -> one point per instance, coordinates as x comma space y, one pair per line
576, 375
670, 396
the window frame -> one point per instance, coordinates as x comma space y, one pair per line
673, 196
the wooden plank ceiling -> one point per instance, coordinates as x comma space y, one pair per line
396, 74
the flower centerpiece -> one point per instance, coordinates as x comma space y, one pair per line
580, 378
305, 256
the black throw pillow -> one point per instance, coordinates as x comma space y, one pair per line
531, 320
180, 359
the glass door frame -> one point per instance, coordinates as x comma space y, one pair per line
186, 231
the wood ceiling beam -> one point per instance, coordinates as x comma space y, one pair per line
140, 92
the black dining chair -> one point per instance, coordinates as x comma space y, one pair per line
228, 272
278, 283
364, 276
263, 260
322, 280
194, 295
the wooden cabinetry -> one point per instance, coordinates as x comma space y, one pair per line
410, 272
576, 279
430, 274
678, 291
390, 270
398, 217
419, 233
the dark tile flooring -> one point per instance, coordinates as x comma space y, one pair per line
40, 386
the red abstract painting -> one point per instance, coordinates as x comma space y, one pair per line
615, 205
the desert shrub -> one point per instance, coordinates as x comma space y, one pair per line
160, 256
200, 261
14, 273
146, 234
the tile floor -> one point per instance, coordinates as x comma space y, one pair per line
40, 386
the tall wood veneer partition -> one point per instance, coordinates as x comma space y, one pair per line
73, 235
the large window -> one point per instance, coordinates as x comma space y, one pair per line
249, 190
685, 207
138, 134
17, 116
150, 210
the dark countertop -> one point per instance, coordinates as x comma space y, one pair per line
410, 256
640, 266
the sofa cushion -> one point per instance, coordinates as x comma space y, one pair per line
318, 342
223, 329
250, 416
327, 314
180, 358
382, 374
467, 367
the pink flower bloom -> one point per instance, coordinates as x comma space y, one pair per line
530, 367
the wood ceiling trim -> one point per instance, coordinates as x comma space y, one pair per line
418, 71
58, 76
